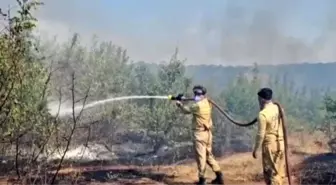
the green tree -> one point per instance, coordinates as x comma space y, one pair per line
24, 87
163, 121
23, 77
236, 99
328, 125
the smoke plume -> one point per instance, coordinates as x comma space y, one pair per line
228, 33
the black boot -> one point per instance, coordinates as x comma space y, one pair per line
219, 178
201, 181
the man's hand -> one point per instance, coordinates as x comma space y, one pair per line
254, 154
179, 104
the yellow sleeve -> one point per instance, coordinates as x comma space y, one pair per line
190, 109
261, 131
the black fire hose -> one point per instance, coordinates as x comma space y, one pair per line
231, 119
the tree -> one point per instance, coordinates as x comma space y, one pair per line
330, 107
24, 87
161, 118
238, 102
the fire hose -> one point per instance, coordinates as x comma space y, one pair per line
180, 97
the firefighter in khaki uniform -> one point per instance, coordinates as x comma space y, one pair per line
202, 136
270, 139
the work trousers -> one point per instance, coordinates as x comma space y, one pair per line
203, 152
273, 159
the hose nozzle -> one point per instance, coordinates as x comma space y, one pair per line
179, 97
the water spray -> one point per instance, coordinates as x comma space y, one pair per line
65, 111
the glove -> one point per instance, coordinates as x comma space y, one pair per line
179, 104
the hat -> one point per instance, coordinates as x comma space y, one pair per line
265, 93
199, 90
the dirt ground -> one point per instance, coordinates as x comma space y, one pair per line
146, 175
239, 168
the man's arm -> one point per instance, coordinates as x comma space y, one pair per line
188, 109
261, 132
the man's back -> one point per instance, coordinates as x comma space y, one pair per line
273, 129
202, 115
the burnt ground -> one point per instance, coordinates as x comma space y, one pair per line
135, 175
317, 169
313, 169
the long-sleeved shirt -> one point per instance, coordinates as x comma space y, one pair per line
201, 112
269, 126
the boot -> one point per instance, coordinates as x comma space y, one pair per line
219, 178
201, 181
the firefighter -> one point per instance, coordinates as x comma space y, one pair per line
202, 134
270, 138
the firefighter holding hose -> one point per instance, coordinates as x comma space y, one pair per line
270, 139
202, 135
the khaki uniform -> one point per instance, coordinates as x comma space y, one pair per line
270, 138
202, 136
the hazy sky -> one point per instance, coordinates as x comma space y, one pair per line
228, 32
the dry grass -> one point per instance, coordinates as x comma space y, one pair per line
243, 168
238, 168
303, 143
